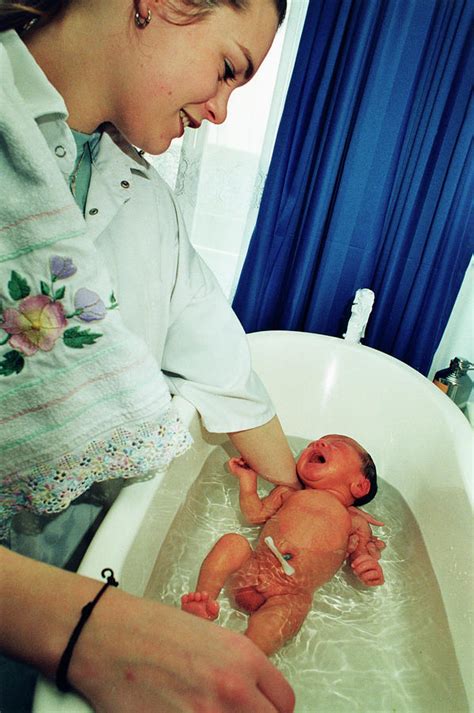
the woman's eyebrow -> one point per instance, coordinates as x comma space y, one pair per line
249, 72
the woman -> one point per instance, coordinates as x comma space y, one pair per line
106, 312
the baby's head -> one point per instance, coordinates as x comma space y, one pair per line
339, 464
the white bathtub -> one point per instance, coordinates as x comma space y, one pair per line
420, 441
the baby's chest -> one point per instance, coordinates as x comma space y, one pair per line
317, 526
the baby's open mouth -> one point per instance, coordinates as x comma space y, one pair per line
317, 458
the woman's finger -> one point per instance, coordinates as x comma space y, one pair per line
276, 690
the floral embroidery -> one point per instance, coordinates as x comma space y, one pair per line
38, 321
36, 324
128, 452
88, 305
61, 267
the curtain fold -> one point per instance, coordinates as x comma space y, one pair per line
370, 182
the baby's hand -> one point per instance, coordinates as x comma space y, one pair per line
239, 467
368, 570
374, 547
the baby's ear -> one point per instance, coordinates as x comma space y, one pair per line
360, 487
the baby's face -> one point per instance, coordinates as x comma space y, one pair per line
331, 460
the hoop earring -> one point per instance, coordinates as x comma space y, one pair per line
142, 22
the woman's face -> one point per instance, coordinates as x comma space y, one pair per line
174, 75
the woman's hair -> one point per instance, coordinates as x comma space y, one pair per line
369, 470
199, 8
19, 15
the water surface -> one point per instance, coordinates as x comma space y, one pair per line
383, 650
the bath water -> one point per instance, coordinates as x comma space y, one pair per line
386, 649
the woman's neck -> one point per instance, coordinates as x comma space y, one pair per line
70, 62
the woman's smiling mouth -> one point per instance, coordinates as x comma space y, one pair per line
187, 120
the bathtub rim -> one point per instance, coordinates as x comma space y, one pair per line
460, 428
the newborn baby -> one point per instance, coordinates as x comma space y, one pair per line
307, 536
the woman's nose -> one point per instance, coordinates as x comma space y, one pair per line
216, 108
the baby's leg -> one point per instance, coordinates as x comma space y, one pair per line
277, 621
227, 556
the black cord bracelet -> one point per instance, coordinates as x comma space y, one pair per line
61, 674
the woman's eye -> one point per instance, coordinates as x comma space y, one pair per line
288, 556
229, 72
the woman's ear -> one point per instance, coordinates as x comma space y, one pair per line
360, 487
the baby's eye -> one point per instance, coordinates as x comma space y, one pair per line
229, 71
288, 556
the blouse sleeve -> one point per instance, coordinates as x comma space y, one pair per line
206, 357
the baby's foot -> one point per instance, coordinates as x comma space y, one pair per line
199, 604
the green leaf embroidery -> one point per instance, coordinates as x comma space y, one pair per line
59, 294
12, 363
113, 302
18, 286
77, 338
45, 288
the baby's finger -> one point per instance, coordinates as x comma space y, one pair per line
373, 578
361, 568
373, 550
235, 464
362, 560
352, 543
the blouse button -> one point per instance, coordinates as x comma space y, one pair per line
93, 211
125, 184
60, 151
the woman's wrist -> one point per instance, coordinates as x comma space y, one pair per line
87, 610
266, 450
39, 608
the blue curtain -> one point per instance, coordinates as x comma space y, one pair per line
370, 183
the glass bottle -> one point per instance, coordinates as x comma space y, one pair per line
455, 381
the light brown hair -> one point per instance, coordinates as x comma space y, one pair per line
20, 15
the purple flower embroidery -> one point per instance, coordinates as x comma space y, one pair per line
61, 267
89, 306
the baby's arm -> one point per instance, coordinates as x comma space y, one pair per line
364, 549
255, 509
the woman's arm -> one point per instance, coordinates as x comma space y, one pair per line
133, 654
266, 450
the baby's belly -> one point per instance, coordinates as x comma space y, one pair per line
263, 573
262, 576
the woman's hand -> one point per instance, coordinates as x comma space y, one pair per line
139, 655
266, 450
133, 655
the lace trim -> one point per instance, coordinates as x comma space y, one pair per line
126, 453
